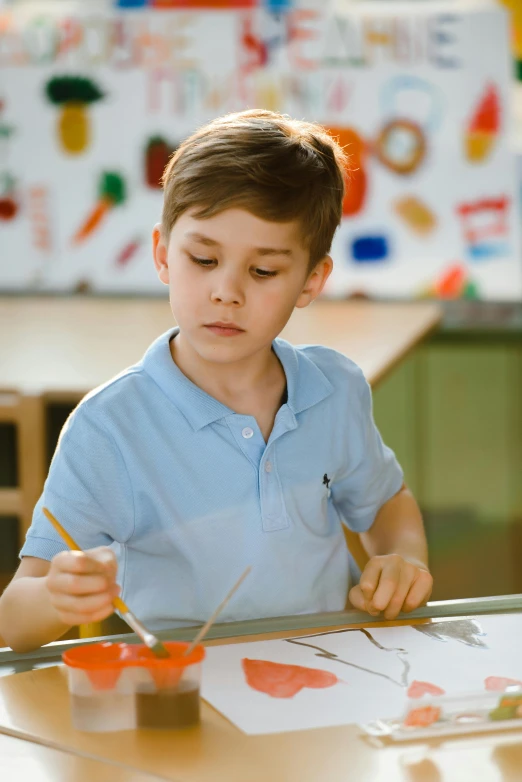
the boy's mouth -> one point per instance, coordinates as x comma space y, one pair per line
224, 329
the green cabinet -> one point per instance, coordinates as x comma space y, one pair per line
453, 415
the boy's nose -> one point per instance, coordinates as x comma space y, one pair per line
227, 291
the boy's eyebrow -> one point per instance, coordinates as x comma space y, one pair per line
260, 250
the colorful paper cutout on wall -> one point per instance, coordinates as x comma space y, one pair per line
9, 199
453, 283
111, 193
356, 183
416, 214
128, 252
401, 146
39, 214
157, 154
73, 95
484, 126
370, 249
485, 225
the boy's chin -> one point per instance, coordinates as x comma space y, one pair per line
225, 350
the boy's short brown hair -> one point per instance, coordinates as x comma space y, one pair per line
277, 168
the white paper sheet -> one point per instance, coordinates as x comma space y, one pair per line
375, 669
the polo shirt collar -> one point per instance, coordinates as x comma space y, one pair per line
306, 383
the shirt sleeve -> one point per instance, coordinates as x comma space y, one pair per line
88, 490
373, 474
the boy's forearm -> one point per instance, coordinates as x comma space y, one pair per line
27, 618
398, 529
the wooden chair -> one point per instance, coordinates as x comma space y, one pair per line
27, 415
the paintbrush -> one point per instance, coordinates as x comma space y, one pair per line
150, 640
206, 627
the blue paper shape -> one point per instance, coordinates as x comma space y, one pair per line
370, 249
277, 6
486, 250
131, 3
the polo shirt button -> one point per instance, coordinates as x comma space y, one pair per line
247, 433
268, 466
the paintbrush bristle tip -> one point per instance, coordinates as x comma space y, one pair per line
159, 650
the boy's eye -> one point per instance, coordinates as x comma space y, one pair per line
264, 273
201, 261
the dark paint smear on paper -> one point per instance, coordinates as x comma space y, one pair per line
467, 631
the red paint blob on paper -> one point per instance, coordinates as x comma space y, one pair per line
284, 681
499, 683
418, 689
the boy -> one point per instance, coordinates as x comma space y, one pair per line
226, 447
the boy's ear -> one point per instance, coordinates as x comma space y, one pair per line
160, 252
315, 282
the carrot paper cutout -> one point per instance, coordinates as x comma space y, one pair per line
284, 681
73, 94
111, 193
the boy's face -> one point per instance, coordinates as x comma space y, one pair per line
234, 280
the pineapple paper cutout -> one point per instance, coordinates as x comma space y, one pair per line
73, 94
484, 126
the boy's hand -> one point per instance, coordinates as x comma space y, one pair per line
82, 585
391, 583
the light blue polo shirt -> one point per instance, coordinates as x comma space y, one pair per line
188, 493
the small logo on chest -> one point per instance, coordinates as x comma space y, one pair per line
326, 482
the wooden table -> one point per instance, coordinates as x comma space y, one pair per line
23, 760
58, 349
218, 752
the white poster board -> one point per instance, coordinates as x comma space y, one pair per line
358, 675
418, 93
